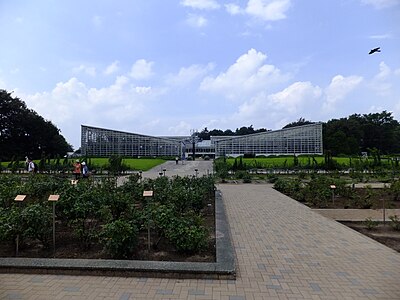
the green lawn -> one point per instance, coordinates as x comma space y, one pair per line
279, 162
143, 164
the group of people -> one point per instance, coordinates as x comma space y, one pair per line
80, 168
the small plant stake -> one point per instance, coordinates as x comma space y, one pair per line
54, 199
148, 194
19, 199
333, 187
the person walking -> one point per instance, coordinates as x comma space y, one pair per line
85, 170
31, 166
77, 169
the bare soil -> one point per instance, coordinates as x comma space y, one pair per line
365, 199
383, 234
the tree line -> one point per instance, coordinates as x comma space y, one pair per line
25, 133
371, 133
205, 134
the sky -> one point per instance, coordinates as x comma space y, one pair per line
166, 67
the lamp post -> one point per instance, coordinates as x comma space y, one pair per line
197, 171
164, 170
194, 139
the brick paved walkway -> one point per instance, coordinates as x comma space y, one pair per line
284, 251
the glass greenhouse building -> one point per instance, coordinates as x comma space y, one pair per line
105, 142
305, 139
102, 142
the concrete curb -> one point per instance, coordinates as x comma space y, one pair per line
223, 268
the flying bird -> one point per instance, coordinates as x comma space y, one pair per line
375, 50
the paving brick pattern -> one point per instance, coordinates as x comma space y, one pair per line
284, 251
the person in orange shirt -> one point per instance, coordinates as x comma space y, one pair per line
77, 169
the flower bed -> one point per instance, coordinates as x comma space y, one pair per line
100, 220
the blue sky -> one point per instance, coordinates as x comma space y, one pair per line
165, 67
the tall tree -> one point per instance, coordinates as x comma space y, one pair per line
380, 132
23, 132
204, 134
358, 133
300, 122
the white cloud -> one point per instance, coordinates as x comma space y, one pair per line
97, 21
91, 71
381, 36
233, 9
384, 71
143, 89
72, 103
273, 111
338, 89
196, 21
289, 102
374, 109
110, 95
56, 105
381, 83
182, 128
201, 4
293, 97
380, 4
112, 68
141, 69
189, 74
268, 10
247, 76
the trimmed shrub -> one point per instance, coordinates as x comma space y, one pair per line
370, 224
395, 222
119, 238
187, 234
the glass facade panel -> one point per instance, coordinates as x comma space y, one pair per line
105, 142
305, 139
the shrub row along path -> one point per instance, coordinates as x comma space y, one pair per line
284, 250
